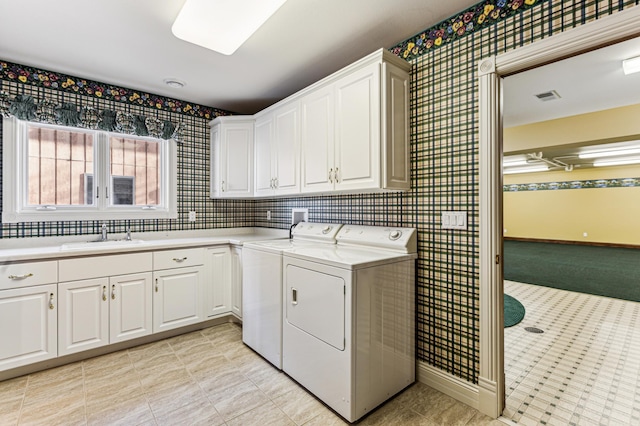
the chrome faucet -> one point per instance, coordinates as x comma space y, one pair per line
103, 237
128, 237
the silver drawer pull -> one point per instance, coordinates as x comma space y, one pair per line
104, 293
113, 292
181, 259
20, 277
294, 296
51, 306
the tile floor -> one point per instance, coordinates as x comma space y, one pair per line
583, 370
206, 377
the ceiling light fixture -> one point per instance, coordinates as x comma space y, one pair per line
530, 169
174, 82
514, 160
515, 163
222, 25
610, 153
616, 162
631, 65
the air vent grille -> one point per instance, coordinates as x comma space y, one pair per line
551, 95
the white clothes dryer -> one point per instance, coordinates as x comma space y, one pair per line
349, 317
262, 286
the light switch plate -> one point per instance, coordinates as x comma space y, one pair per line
192, 216
454, 220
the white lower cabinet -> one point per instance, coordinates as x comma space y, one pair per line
236, 281
100, 311
101, 300
130, 307
83, 320
28, 325
176, 298
217, 287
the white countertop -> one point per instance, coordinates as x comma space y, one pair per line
21, 249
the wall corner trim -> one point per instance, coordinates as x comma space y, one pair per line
448, 384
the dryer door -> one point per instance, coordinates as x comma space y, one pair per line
315, 304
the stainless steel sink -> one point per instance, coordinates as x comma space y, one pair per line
99, 245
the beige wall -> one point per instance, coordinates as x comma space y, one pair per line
612, 125
606, 215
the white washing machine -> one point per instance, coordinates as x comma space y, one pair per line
349, 317
262, 286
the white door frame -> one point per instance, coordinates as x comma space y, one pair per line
605, 31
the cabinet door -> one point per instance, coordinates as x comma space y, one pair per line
176, 298
28, 325
237, 158
83, 315
217, 286
357, 138
130, 313
264, 178
317, 140
286, 159
236, 281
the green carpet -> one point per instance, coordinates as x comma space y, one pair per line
603, 271
513, 311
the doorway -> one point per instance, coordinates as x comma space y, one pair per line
572, 358
605, 31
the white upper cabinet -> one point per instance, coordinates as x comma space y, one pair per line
277, 151
355, 129
232, 157
263, 148
349, 132
395, 128
317, 140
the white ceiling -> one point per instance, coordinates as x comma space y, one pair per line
593, 81
590, 82
129, 43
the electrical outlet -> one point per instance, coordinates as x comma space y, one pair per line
268, 214
192, 216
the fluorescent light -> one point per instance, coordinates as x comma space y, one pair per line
222, 25
610, 153
530, 169
514, 163
514, 160
616, 162
631, 65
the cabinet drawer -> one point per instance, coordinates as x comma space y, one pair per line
178, 258
103, 266
18, 275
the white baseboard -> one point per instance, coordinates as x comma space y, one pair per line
448, 384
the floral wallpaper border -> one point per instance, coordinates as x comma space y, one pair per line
576, 184
472, 19
52, 80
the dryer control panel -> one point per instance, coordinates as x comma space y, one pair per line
390, 238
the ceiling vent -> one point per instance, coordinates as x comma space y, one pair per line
551, 95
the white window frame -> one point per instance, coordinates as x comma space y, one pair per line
15, 207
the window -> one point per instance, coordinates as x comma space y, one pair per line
63, 173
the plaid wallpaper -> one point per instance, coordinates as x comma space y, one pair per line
444, 157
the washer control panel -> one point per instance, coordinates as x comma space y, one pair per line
392, 238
